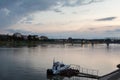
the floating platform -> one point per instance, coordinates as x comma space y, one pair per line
71, 70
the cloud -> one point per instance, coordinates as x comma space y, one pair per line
91, 29
12, 11
57, 10
113, 31
117, 30
106, 19
72, 3
21, 31
27, 20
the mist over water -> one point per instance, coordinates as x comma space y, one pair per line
31, 63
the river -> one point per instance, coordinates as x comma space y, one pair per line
31, 63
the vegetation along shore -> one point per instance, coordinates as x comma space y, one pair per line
17, 40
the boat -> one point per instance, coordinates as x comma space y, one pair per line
59, 68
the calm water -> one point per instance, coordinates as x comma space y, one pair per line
30, 63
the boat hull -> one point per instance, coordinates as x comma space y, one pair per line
67, 72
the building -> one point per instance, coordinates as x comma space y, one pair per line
43, 38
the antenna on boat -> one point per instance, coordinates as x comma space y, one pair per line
53, 60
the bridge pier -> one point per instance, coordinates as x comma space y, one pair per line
92, 43
108, 44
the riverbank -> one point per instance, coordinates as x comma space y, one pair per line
18, 43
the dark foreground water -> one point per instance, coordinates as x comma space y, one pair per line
30, 63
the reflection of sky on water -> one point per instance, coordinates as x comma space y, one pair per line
31, 63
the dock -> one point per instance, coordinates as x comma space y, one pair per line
71, 70
92, 73
78, 71
85, 72
115, 75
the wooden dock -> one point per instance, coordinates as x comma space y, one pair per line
115, 75
85, 72
78, 71
88, 75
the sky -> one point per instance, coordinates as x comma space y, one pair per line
61, 18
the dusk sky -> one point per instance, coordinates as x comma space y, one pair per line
61, 18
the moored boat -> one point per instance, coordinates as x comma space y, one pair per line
59, 68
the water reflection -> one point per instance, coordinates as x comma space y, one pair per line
67, 78
55, 77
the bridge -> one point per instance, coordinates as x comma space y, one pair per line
106, 41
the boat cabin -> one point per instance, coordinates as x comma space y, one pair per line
58, 67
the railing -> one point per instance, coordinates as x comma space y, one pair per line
83, 70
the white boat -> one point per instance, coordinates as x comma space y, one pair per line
58, 67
